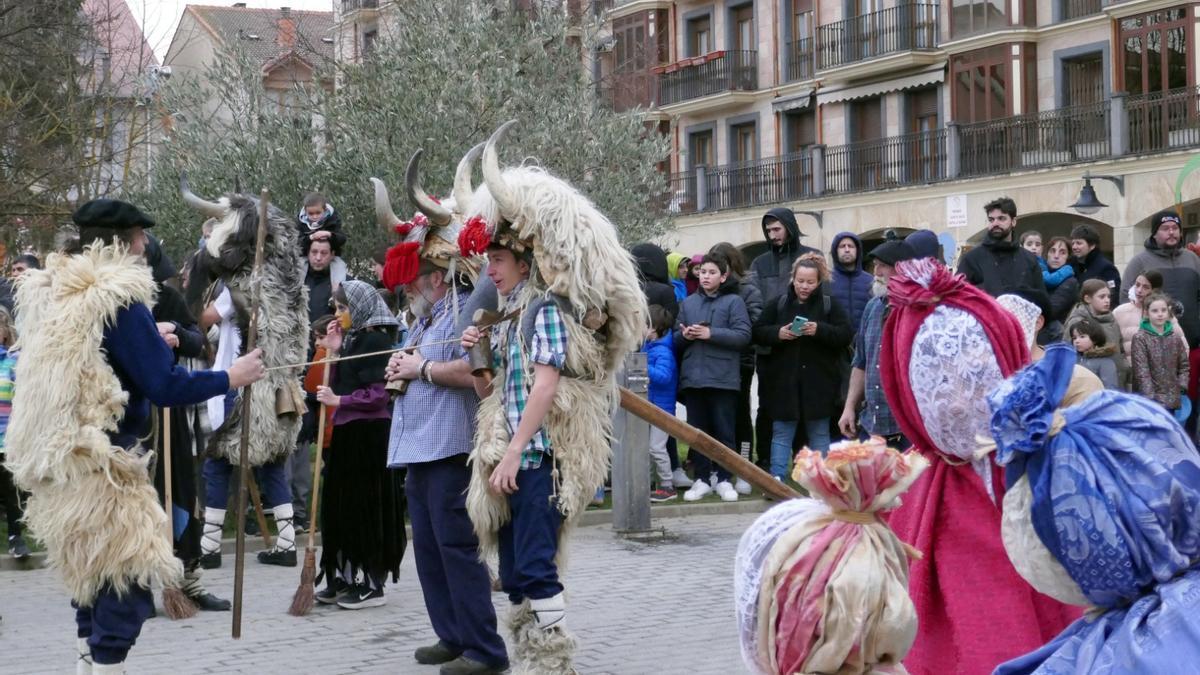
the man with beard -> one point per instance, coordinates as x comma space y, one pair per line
851, 284
1000, 265
1180, 269
433, 427
865, 383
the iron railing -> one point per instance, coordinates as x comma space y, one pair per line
763, 181
1064, 136
906, 27
801, 60
1164, 120
911, 159
680, 197
712, 74
1077, 9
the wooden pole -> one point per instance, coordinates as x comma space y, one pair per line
250, 342
302, 600
700, 442
259, 511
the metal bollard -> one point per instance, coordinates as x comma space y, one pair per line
631, 456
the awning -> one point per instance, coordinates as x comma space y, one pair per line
793, 102
932, 75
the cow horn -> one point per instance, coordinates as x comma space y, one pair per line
437, 214
500, 190
463, 191
210, 209
383, 206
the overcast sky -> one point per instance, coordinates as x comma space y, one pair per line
159, 17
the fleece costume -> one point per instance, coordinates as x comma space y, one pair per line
74, 442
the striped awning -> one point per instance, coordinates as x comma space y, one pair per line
928, 76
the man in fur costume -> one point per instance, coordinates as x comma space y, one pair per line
75, 438
283, 331
575, 309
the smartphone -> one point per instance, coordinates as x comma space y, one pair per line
798, 323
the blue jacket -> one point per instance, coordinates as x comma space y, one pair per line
850, 288
714, 363
663, 372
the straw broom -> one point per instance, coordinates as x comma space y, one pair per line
176, 604
302, 601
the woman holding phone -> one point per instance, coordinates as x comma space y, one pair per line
807, 332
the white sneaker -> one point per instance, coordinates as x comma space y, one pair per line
742, 487
725, 489
697, 492
680, 478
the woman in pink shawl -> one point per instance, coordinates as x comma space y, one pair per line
946, 344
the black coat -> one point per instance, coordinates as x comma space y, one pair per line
1096, 266
999, 267
773, 270
800, 377
652, 270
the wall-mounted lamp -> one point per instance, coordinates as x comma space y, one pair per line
1088, 203
818, 216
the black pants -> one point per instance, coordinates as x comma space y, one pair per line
745, 431
11, 500
712, 411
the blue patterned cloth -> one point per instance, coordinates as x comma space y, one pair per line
1116, 500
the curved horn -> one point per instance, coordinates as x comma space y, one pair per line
463, 191
383, 206
210, 209
437, 214
491, 173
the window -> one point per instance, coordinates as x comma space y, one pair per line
699, 36
982, 87
800, 129
368, 42
977, 16
802, 19
745, 145
866, 118
1154, 51
700, 146
742, 19
923, 109
629, 53
1083, 79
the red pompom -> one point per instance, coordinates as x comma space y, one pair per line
474, 237
401, 264
403, 228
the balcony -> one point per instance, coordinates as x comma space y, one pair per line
713, 74
1164, 121
764, 181
801, 60
1037, 140
911, 159
899, 30
1077, 9
364, 8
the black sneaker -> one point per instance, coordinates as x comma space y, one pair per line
333, 592
468, 666
277, 557
17, 547
207, 602
210, 561
436, 654
362, 596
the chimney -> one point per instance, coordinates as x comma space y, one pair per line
286, 36
285, 11
242, 5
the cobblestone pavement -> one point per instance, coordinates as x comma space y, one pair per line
660, 607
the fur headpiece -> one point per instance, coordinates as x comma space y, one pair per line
435, 232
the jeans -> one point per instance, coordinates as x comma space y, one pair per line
299, 475
781, 442
714, 412
528, 542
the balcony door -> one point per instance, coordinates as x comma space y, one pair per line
1083, 80
923, 151
801, 50
866, 126
1158, 73
742, 175
699, 36
700, 147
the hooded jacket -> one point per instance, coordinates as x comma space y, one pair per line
850, 288
652, 272
680, 284
330, 221
1160, 365
1000, 266
772, 269
713, 363
662, 371
1180, 270
1095, 266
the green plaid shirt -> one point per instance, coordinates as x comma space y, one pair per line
548, 348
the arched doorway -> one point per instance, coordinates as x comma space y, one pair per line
1052, 224
873, 238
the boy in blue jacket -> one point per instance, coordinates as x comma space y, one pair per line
664, 377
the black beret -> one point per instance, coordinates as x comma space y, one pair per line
111, 214
892, 252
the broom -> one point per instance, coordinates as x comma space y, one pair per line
176, 604
302, 601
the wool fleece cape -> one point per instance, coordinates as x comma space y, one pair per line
91, 502
283, 330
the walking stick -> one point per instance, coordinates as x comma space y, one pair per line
302, 601
239, 566
176, 604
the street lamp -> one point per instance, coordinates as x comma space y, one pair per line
1088, 203
818, 216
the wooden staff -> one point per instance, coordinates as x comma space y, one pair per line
706, 445
239, 566
259, 514
302, 601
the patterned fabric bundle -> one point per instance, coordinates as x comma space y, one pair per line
1103, 508
821, 585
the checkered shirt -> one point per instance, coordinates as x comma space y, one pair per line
876, 415
548, 348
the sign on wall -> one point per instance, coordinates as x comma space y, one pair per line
956, 211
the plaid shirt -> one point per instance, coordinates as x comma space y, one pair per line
548, 348
876, 415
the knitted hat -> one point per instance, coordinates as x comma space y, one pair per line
1164, 216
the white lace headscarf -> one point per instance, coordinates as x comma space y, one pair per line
1027, 315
